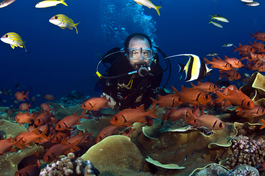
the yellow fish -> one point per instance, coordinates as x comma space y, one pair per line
63, 22
14, 40
49, 3
148, 4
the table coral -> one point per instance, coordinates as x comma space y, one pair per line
246, 151
116, 155
69, 166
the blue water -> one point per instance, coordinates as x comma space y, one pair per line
61, 61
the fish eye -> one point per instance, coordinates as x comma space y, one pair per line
248, 103
84, 105
116, 119
221, 125
56, 17
206, 96
59, 126
49, 157
6, 35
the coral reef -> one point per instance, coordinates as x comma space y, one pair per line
116, 155
70, 166
216, 169
246, 151
9, 161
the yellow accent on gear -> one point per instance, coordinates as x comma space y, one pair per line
129, 85
98, 74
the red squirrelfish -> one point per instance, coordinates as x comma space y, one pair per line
236, 63
218, 63
236, 97
67, 122
22, 118
127, 117
57, 150
254, 112
193, 96
95, 103
20, 96
205, 86
209, 121
29, 137
167, 100
107, 131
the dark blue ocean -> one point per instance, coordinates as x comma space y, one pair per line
61, 61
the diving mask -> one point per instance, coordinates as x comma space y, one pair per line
140, 53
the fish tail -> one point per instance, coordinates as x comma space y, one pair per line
191, 118
181, 67
26, 95
74, 145
252, 35
151, 112
154, 101
83, 115
210, 22
236, 49
220, 97
43, 134
157, 9
62, 1
76, 27
19, 143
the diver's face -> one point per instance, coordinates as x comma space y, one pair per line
139, 43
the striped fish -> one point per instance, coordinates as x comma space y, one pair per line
63, 22
5, 3
49, 3
216, 24
14, 40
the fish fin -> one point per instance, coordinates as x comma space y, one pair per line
74, 145
19, 143
157, 9
62, 1
154, 101
141, 107
63, 27
226, 57
43, 134
207, 61
165, 117
218, 58
78, 123
181, 67
175, 90
139, 3
250, 43
151, 112
192, 84
182, 88
76, 27
214, 59
9, 139
128, 124
220, 97
263, 122
13, 46
83, 115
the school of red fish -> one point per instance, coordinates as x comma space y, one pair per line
189, 105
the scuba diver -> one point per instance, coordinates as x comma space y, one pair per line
133, 74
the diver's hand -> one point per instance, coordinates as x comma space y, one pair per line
111, 102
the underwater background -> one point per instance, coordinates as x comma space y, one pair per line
61, 61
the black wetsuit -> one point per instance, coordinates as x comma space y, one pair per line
125, 90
